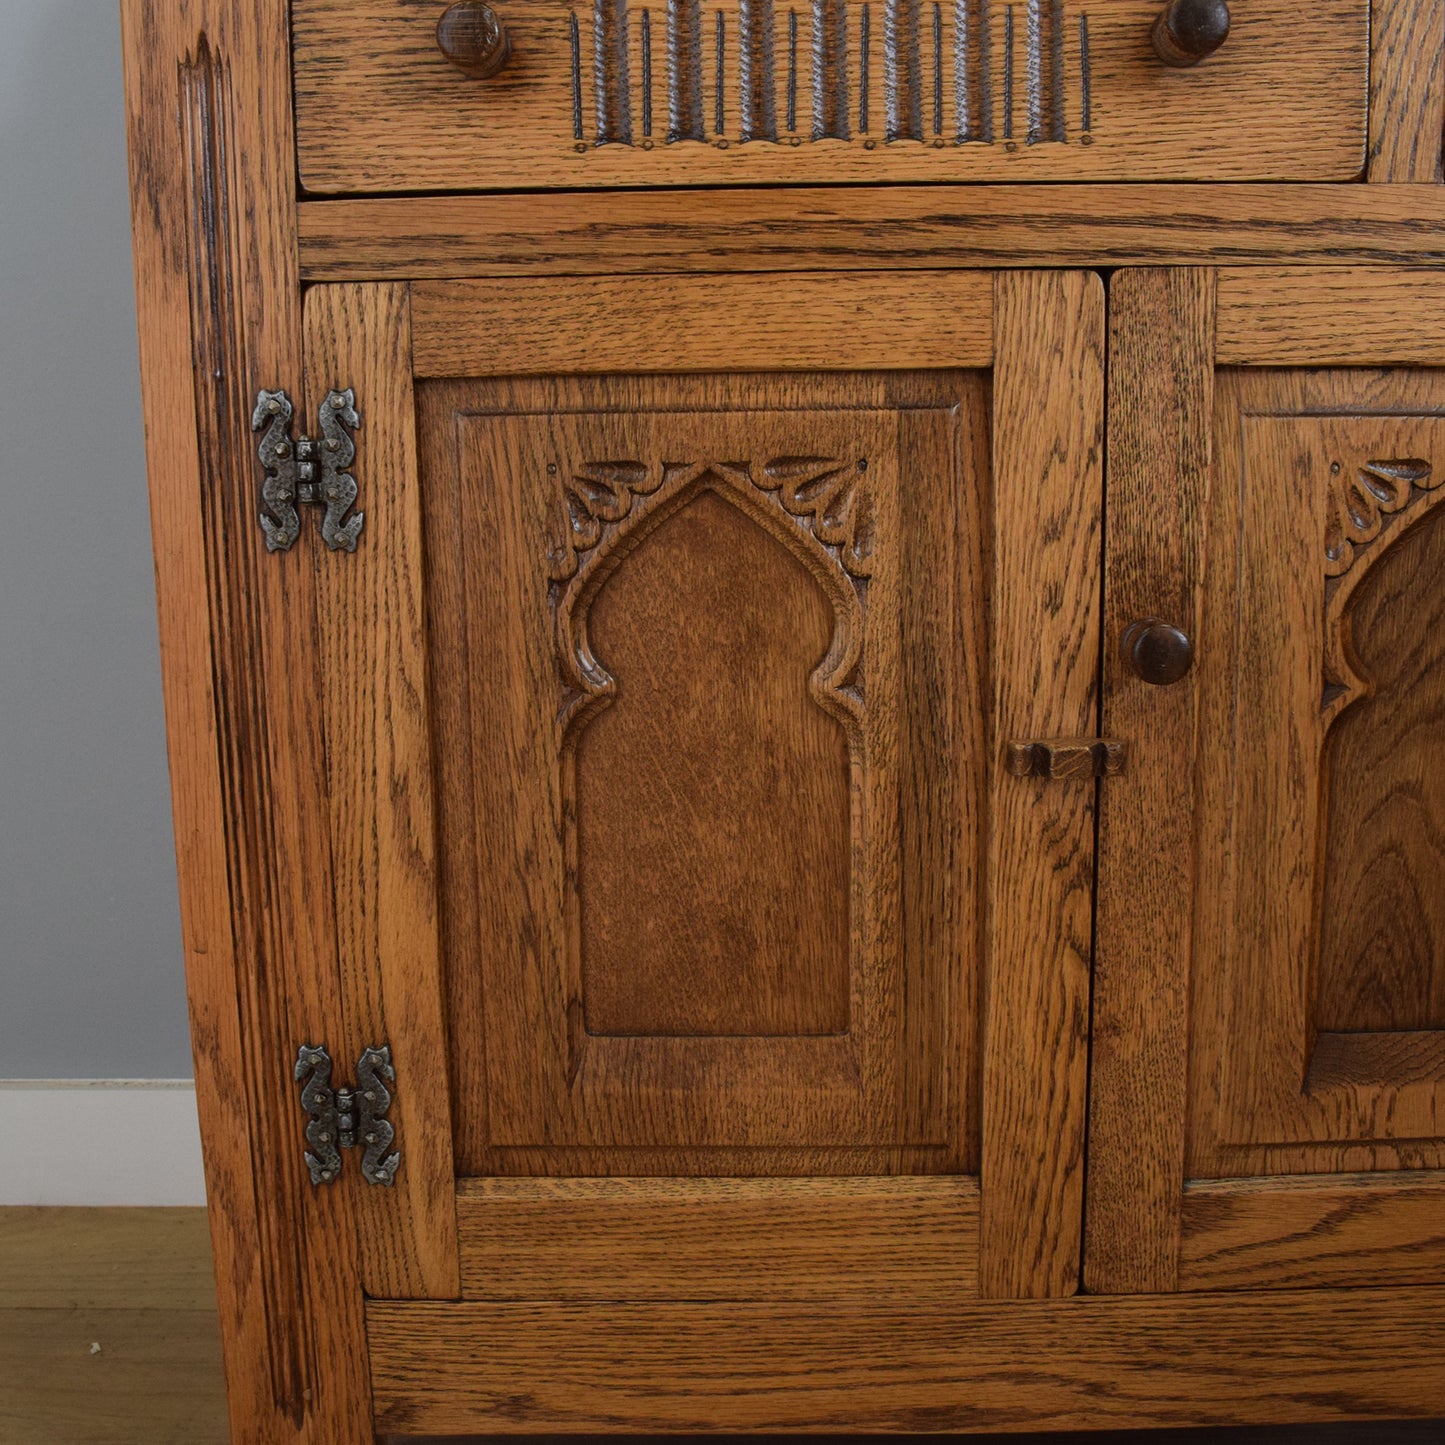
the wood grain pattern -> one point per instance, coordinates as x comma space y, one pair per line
550, 1086
1269, 1093
379, 108
690, 924
214, 226
1048, 416
1382, 934
156, 1377
1353, 1230
1263, 1358
108, 1329
1300, 316
688, 323
887, 228
102, 1259
1161, 377
719, 1239
1407, 90
379, 784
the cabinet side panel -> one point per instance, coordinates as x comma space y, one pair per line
1161, 374
208, 101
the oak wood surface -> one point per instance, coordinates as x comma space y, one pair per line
108, 1329
155, 1376
1274, 650
373, 655
1407, 90
1314, 1230
211, 147
1382, 930
567, 1092
379, 108
841, 321
691, 1239
1268, 1356
97, 1259
1302, 316
882, 228
1160, 414
1048, 418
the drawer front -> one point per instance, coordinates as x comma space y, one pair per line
758, 91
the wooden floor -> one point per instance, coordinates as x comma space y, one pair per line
108, 1329
108, 1337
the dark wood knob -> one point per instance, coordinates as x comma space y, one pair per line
471, 35
1188, 30
1157, 652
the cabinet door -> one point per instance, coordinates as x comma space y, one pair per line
762, 975
1269, 1066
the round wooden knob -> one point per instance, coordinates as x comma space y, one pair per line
1188, 30
1157, 652
471, 35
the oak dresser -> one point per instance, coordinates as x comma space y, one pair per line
804, 645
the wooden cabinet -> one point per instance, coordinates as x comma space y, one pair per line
835, 821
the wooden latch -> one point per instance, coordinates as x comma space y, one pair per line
1066, 758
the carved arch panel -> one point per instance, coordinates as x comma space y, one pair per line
724, 918
1321, 944
734, 592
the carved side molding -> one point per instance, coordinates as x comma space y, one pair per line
1371, 503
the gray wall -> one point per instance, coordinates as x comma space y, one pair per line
91, 983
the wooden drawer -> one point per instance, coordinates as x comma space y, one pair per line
628, 94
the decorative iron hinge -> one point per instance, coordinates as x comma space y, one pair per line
1065, 758
309, 470
348, 1118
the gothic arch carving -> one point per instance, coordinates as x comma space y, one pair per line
1371, 505
819, 508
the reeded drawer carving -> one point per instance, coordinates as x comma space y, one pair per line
709, 92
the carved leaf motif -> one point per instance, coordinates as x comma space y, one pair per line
1360, 500
824, 493
1359, 503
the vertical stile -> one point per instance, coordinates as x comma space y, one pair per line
937, 68
902, 71
610, 72
645, 33
719, 124
864, 45
792, 72
684, 70
574, 34
756, 87
1008, 73
830, 69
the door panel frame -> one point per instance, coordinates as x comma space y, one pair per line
1043, 332
1149, 1230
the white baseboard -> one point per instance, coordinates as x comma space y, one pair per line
100, 1141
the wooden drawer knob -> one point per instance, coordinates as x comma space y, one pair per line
471, 35
1157, 652
1188, 30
